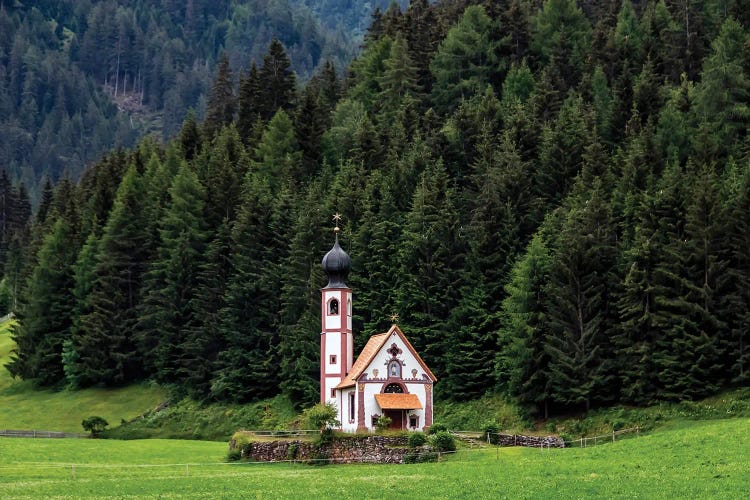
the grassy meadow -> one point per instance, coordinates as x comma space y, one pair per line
27, 408
690, 460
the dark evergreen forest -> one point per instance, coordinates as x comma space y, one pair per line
81, 77
553, 195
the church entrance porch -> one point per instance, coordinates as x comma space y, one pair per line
397, 419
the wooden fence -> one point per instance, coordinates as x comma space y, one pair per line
41, 434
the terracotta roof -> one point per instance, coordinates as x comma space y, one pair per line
368, 352
398, 401
373, 346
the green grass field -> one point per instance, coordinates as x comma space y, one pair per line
691, 460
24, 408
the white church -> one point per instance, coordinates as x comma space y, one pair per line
387, 379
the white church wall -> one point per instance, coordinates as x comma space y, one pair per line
348, 424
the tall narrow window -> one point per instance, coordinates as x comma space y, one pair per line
351, 406
349, 307
333, 307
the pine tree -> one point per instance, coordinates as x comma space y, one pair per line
721, 98
246, 368
399, 79
203, 336
47, 315
190, 138
250, 103
464, 61
221, 169
579, 292
277, 80
430, 261
421, 34
299, 343
523, 363
107, 351
560, 36
310, 124
738, 306
277, 156
84, 276
561, 152
221, 102
170, 284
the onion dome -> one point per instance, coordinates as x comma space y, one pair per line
336, 263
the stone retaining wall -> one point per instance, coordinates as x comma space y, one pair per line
531, 441
354, 449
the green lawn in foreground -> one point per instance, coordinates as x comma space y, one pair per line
24, 408
692, 460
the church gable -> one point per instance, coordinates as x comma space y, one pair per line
395, 359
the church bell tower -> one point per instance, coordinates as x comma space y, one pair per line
336, 340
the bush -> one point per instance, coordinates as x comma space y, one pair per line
321, 416
234, 455
443, 441
383, 423
418, 456
493, 429
416, 439
95, 425
435, 428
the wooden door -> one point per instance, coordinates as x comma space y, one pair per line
397, 419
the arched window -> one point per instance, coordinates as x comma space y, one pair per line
394, 369
333, 307
393, 389
349, 307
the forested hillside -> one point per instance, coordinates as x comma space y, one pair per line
81, 77
554, 197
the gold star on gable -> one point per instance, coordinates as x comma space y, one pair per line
394, 318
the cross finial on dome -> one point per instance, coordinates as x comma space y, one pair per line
336, 219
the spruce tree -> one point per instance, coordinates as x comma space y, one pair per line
171, 282
430, 261
107, 337
250, 101
523, 362
221, 102
47, 315
464, 61
203, 338
246, 369
277, 80
580, 296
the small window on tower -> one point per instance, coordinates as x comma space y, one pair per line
333, 307
332, 359
349, 307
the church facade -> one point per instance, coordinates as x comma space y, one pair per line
388, 378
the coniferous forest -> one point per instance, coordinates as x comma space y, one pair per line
554, 196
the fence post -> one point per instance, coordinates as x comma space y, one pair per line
613, 435
73, 470
187, 470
